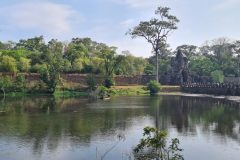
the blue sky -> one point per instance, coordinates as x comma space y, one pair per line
108, 20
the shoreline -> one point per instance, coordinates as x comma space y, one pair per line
229, 98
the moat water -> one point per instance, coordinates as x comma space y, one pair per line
48, 128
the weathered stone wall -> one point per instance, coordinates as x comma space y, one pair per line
81, 78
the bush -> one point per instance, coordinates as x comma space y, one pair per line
109, 82
103, 92
38, 68
6, 84
154, 87
154, 145
217, 76
24, 64
91, 82
9, 64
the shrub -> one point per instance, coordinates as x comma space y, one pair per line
39, 68
217, 76
154, 87
24, 64
91, 82
103, 92
6, 84
9, 64
154, 145
109, 82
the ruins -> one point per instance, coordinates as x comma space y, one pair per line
178, 72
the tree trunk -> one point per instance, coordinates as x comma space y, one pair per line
157, 76
4, 94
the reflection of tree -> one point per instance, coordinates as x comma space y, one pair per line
186, 112
45, 121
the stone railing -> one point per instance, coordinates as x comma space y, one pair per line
212, 88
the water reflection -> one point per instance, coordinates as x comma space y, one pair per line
44, 127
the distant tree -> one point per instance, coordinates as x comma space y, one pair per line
156, 31
54, 66
217, 76
131, 65
32, 44
77, 65
5, 83
8, 64
149, 69
188, 50
24, 64
75, 50
202, 65
111, 60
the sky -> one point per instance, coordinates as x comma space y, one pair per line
108, 21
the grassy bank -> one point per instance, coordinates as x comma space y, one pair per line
141, 90
115, 91
129, 90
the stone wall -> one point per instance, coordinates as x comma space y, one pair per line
81, 78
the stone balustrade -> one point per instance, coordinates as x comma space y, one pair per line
230, 89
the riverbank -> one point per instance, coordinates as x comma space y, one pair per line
115, 91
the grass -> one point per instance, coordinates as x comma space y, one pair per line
129, 90
142, 90
70, 94
71, 91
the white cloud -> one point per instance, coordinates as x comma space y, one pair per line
139, 3
50, 18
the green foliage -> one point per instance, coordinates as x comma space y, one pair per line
129, 90
51, 75
156, 30
20, 83
109, 82
131, 65
24, 64
217, 76
110, 60
202, 65
91, 82
8, 64
149, 69
6, 84
154, 146
77, 65
154, 87
103, 92
39, 68
51, 78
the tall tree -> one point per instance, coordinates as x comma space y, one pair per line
188, 50
156, 31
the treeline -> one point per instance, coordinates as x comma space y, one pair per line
218, 58
81, 55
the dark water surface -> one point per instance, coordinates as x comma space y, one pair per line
48, 128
